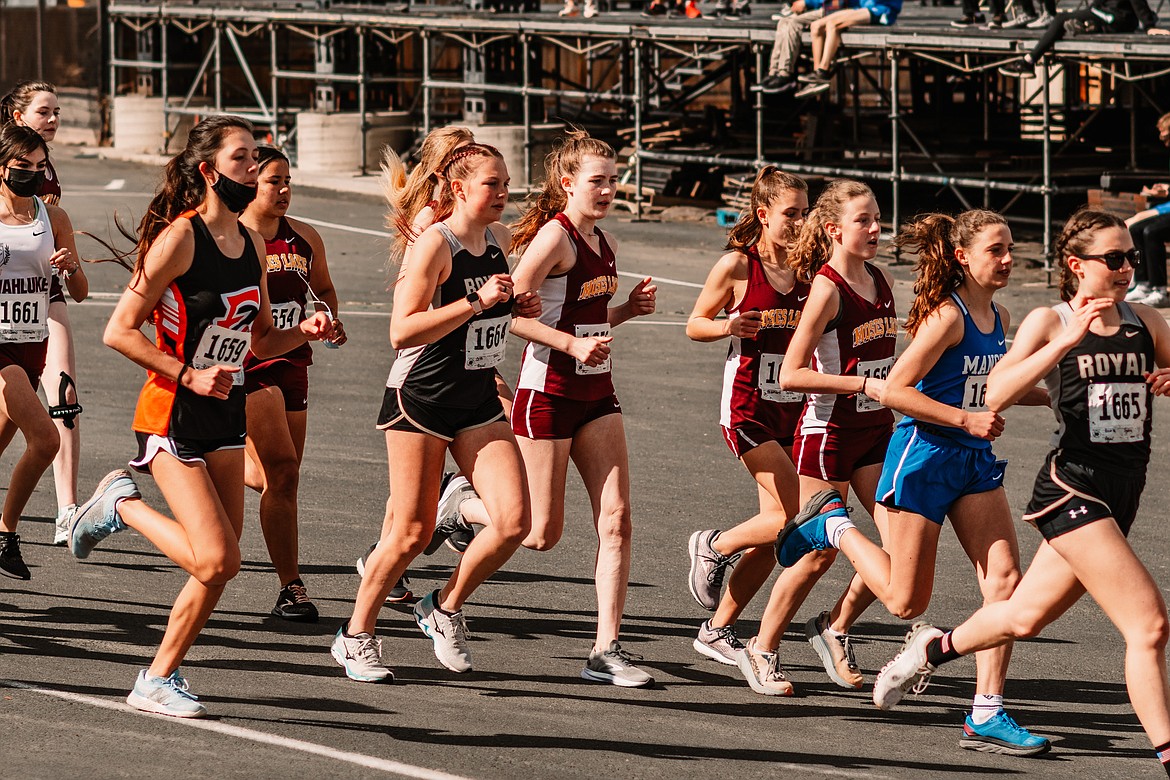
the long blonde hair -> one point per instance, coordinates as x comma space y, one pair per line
770, 183
406, 195
934, 238
564, 160
814, 248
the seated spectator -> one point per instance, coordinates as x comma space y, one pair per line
1025, 15
731, 9
839, 15
786, 48
1101, 16
1150, 230
687, 8
571, 9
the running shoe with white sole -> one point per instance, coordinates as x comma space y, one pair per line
98, 517
449, 520
1002, 735
835, 652
708, 568
806, 532
165, 696
399, 593
908, 670
448, 632
61, 529
614, 665
360, 656
763, 671
719, 644
293, 603
11, 561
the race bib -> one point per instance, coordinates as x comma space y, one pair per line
486, 342
1117, 412
873, 369
223, 347
975, 394
24, 317
769, 382
286, 315
584, 332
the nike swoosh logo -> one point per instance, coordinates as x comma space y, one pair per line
1001, 342
39, 234
888, 304
802, 297
1131, 334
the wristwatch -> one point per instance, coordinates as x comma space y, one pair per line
476, 303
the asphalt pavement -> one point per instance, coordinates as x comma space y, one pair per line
73, 638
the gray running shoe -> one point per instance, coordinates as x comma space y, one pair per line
708, 568
361, 656
719, 644
399, 593
165, 696
908, 670
615, 665
763, 671
98, 518
835, 651
61, 532
449, 522
448, 633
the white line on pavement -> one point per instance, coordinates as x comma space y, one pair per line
384, 234
369, 762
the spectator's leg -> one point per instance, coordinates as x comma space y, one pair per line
786, 47
1054, 32
836, 24
1157, 233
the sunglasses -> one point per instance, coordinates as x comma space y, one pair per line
1115, 260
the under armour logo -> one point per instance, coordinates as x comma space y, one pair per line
1074, 512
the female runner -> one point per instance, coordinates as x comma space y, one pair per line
1103, 360
34, 104
452, 309
939, 461
278, 388
200, 278
847, 333
565, 404
754, 284
36, 244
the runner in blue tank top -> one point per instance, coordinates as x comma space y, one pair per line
939, 461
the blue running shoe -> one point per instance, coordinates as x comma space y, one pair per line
165, 696
1001, 734
806, 532
98, 518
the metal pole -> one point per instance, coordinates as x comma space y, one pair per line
274, 83
112, 42
426, 81
1132, 89
1047, 180
164, 85
895, 159
638, 98
524, 54
361, 85
760, 75
41, 39
217, 73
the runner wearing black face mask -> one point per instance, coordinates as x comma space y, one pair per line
234, 195
24, 183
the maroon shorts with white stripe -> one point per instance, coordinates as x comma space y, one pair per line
537, 415
836, 454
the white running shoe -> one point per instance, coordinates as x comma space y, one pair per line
615, 665
448, 632
763, 671
165, 696
1040, 22
908, 670
1138, 292
64, 518
1157, 298
719, 644
361, 656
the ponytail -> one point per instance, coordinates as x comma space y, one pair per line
770, 183
814, 247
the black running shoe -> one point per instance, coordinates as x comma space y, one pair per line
293, 604
11, 563
400, 593
968, 20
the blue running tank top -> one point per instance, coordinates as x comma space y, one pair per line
959, 378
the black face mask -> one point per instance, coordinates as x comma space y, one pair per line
24, 183
235, 196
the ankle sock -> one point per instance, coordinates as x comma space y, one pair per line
835, 528
939, 651
985, 706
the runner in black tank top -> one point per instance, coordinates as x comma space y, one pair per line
200, 279
1105, 359
449, 324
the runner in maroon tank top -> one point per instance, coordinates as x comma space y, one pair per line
755, 286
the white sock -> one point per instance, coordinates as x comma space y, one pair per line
984, 707
835, 528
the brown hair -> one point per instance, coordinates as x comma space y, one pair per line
19, 141
406, 195
183, 186
1075, 239
934, 239
564, 160
814, 248
1163, 122
20, 97
770, 183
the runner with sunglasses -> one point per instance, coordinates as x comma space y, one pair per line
1103, 360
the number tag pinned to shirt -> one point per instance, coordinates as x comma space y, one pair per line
872, 369
584, 332
286, 315
769, 384
1117, 412
975, 394
487, 340
223, 347
24, 317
